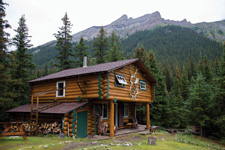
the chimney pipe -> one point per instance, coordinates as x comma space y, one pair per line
85, 61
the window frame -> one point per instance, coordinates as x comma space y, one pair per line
142, 81
116, 80
103, 107
64, 90
127, 105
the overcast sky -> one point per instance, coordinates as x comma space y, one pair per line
44, 16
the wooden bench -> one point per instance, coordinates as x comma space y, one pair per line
129, 125
7, 132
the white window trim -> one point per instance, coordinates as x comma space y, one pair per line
124, 110
103, 111
121, 81
141, 83
64, 85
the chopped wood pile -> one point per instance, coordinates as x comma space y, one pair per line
46, 128
53, 128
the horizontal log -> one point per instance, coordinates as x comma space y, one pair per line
13, 134
126, 96
128, 99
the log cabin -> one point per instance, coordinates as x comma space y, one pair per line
76, 97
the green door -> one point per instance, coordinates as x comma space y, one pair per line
82, 124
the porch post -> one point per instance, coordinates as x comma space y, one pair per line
111, 119
147, 117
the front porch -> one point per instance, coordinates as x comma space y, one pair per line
141, 130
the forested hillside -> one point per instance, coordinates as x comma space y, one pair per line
172, 45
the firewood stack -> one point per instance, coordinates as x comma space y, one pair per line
45, 128
53, 128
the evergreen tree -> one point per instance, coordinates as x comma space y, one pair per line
141, 53
184, 84
23, 62
81, 50
6, 101
46, 70
178, 102
100, 46
192, 72
198, 102
160, 112
168, 76
217, 67
218, 119
207, 72
115, 52
64, 45
201, 65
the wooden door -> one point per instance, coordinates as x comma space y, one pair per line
82, 124
120, 114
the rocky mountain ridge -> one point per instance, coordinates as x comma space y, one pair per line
125, 26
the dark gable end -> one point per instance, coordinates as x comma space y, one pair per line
106, 67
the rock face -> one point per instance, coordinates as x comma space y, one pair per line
123, 26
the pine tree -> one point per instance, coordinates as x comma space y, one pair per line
46, 72
168, 76
81, 50
192, 72
207, 72
6, 101
23, 62
64, 45
198, 102
218, 119
115, 52
160, 111
178, 101
184, 84
141, 53
100, 46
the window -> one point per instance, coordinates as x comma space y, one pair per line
120, 80
60, 86
142, 85
104, 111
126, 111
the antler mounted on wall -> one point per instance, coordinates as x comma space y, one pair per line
134, 90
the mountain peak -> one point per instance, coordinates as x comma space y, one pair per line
122, 19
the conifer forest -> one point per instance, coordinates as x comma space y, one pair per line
188, 67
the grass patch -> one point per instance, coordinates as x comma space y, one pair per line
196, 140
131, 141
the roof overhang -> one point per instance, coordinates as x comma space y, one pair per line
62, 108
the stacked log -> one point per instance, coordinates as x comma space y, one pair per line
46, 128
66, 123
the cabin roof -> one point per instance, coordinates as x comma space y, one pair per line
58, 109
95, 69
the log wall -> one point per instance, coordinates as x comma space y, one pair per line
72, 90
70, 121
111, 91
